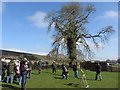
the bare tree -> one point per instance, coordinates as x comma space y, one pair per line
70, 31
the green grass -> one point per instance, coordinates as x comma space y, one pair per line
48, 80
115, 65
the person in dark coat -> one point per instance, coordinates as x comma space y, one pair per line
10, 71
98, 71
54, 66
23, 71
75, 70
4, 66
46, 64
64, 71
39, 64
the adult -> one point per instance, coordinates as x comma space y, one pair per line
0, 70
33, 64
23, 70
75, 70
4, 65
30, 68
17, 72
54, 66
98, 71
46, 64
39, 64
84, 79
10, 71
64, 71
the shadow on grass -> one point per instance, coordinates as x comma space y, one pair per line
47, 72
56, 74
72, 84
87, 79
90, 79
7, 87
35, 73
58, 78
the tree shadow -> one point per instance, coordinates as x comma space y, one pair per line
6, 86
72, 84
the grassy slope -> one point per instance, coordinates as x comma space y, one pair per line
48, 80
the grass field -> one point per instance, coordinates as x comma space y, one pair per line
48, 80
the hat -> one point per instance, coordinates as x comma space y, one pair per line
24, 58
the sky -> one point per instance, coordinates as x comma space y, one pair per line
24, 28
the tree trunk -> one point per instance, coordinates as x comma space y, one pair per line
71, 45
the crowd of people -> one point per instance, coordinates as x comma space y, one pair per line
20, 70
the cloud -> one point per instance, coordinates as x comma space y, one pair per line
115, 39
38, 19
109, 14
105, 57
92, 45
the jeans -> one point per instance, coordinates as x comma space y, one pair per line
64, 74
76, 73
98, 73
10, 77
20, 80
24, 77
28, 75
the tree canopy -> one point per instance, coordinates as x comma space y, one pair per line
70, 31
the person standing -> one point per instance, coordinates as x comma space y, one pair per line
39, 64
17, 71
10, 71
46, 64
84, 81
0, 70
64, 71
30, 69
54, 66
4, 66
23, 70
75, 70
98, 71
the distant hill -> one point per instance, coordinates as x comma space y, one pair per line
15, 54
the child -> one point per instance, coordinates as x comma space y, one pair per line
84, 79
